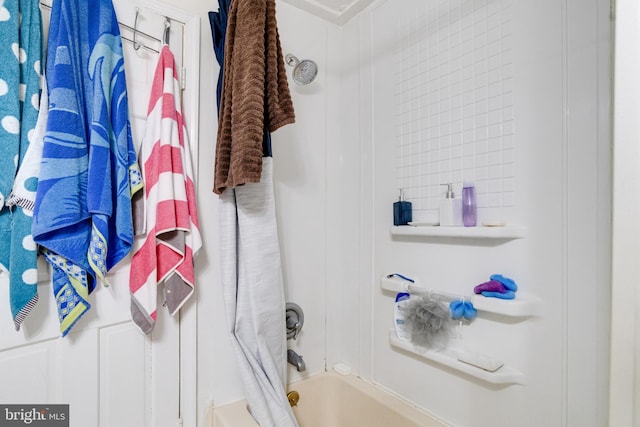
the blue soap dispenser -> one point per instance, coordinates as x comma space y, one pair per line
402, 214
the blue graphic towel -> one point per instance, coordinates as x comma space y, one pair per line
20, 56
82, 215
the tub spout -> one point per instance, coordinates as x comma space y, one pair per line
296, 360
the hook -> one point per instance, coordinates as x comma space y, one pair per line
291, 60
136, 45
167, 31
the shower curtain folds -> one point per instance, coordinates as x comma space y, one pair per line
254, 296
246, 45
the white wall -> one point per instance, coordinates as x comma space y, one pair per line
300, 164
335, 183
349, 195
561, 138
624, 399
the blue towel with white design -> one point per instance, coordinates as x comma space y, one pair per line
20, 73
82, 218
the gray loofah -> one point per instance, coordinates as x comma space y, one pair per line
429, 321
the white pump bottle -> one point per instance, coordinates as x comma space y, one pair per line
450, 209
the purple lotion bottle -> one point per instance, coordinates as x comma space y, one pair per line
469, 216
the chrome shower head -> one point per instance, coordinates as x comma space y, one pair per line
304, 72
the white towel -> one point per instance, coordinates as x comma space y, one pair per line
23, 193
166, 254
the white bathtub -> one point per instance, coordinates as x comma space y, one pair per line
334, 400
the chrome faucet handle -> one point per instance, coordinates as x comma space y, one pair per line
296, 360
294, 320
296, 329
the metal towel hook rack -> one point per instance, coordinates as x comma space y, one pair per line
136, 45
167, 31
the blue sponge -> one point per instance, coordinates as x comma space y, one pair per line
505, 295
507, 282
460, 309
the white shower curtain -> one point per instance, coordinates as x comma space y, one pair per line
254, 296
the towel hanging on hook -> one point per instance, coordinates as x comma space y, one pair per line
166, 34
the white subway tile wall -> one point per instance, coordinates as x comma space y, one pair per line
454, 103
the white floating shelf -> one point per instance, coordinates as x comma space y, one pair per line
508, 232
524, 304
449, 357
395, 284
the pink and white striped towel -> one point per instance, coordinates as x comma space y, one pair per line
165, 255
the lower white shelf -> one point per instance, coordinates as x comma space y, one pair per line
449, 357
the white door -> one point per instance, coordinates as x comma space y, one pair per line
109, 373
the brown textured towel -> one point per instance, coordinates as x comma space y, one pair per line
254, 92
